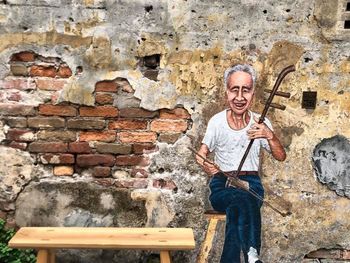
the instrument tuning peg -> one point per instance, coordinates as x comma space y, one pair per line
279, 93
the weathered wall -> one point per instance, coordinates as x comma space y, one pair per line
99, 99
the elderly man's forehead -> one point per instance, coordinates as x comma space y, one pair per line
240, 75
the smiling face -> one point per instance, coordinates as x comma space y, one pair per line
239, 92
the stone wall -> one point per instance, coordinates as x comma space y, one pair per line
100, 99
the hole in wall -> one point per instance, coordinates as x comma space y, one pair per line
78, 70
347, 7
148, 8
152, 61
347, 24
149, 66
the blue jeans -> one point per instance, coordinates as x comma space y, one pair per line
243, 219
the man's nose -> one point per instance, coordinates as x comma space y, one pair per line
240, 95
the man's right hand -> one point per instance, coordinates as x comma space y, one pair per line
209, 168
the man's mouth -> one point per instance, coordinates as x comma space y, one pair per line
239, 105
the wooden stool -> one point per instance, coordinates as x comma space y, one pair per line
47, 239
214, 217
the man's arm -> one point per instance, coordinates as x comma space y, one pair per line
276, 147
208, 167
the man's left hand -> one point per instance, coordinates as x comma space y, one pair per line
261, 130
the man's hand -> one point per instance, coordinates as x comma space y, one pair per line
209, 168
260, 130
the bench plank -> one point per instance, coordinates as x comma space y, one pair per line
100, 237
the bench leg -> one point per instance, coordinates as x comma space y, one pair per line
165, 257
208, 241
43, 256
52, 256
46, 256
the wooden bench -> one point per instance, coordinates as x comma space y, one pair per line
214, 218
47, 239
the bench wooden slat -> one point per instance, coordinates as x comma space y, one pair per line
100, 237
215, 215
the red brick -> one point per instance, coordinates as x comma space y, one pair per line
178, 113
137, 113
325, 253
50, 84
132, 183
43, 71
105, 182
20, 135
163, 125
124, 85
136, 137
114, 148
47, 147
64, 72
66, 136
59, 110
85, 160
46, 122
169, 137
345, 254
18, 145
128, 160
100, 111
103, 136
63, 170
139, 173
16, 109
85, 124
104, 98
164, 184
24, 56
18, 83
57, 158
106, 86
14, 96
100, 171
128, 125
79, 147
19, 69
141, 148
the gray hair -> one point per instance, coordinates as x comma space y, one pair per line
240, 67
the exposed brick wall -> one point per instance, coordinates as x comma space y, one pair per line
328, 254
72, 138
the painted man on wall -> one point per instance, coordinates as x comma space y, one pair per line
228, 134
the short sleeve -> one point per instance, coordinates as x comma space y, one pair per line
264, 142
210, 135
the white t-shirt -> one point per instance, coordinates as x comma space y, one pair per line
230, 145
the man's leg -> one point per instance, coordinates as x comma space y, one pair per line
249, 227
232, 247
